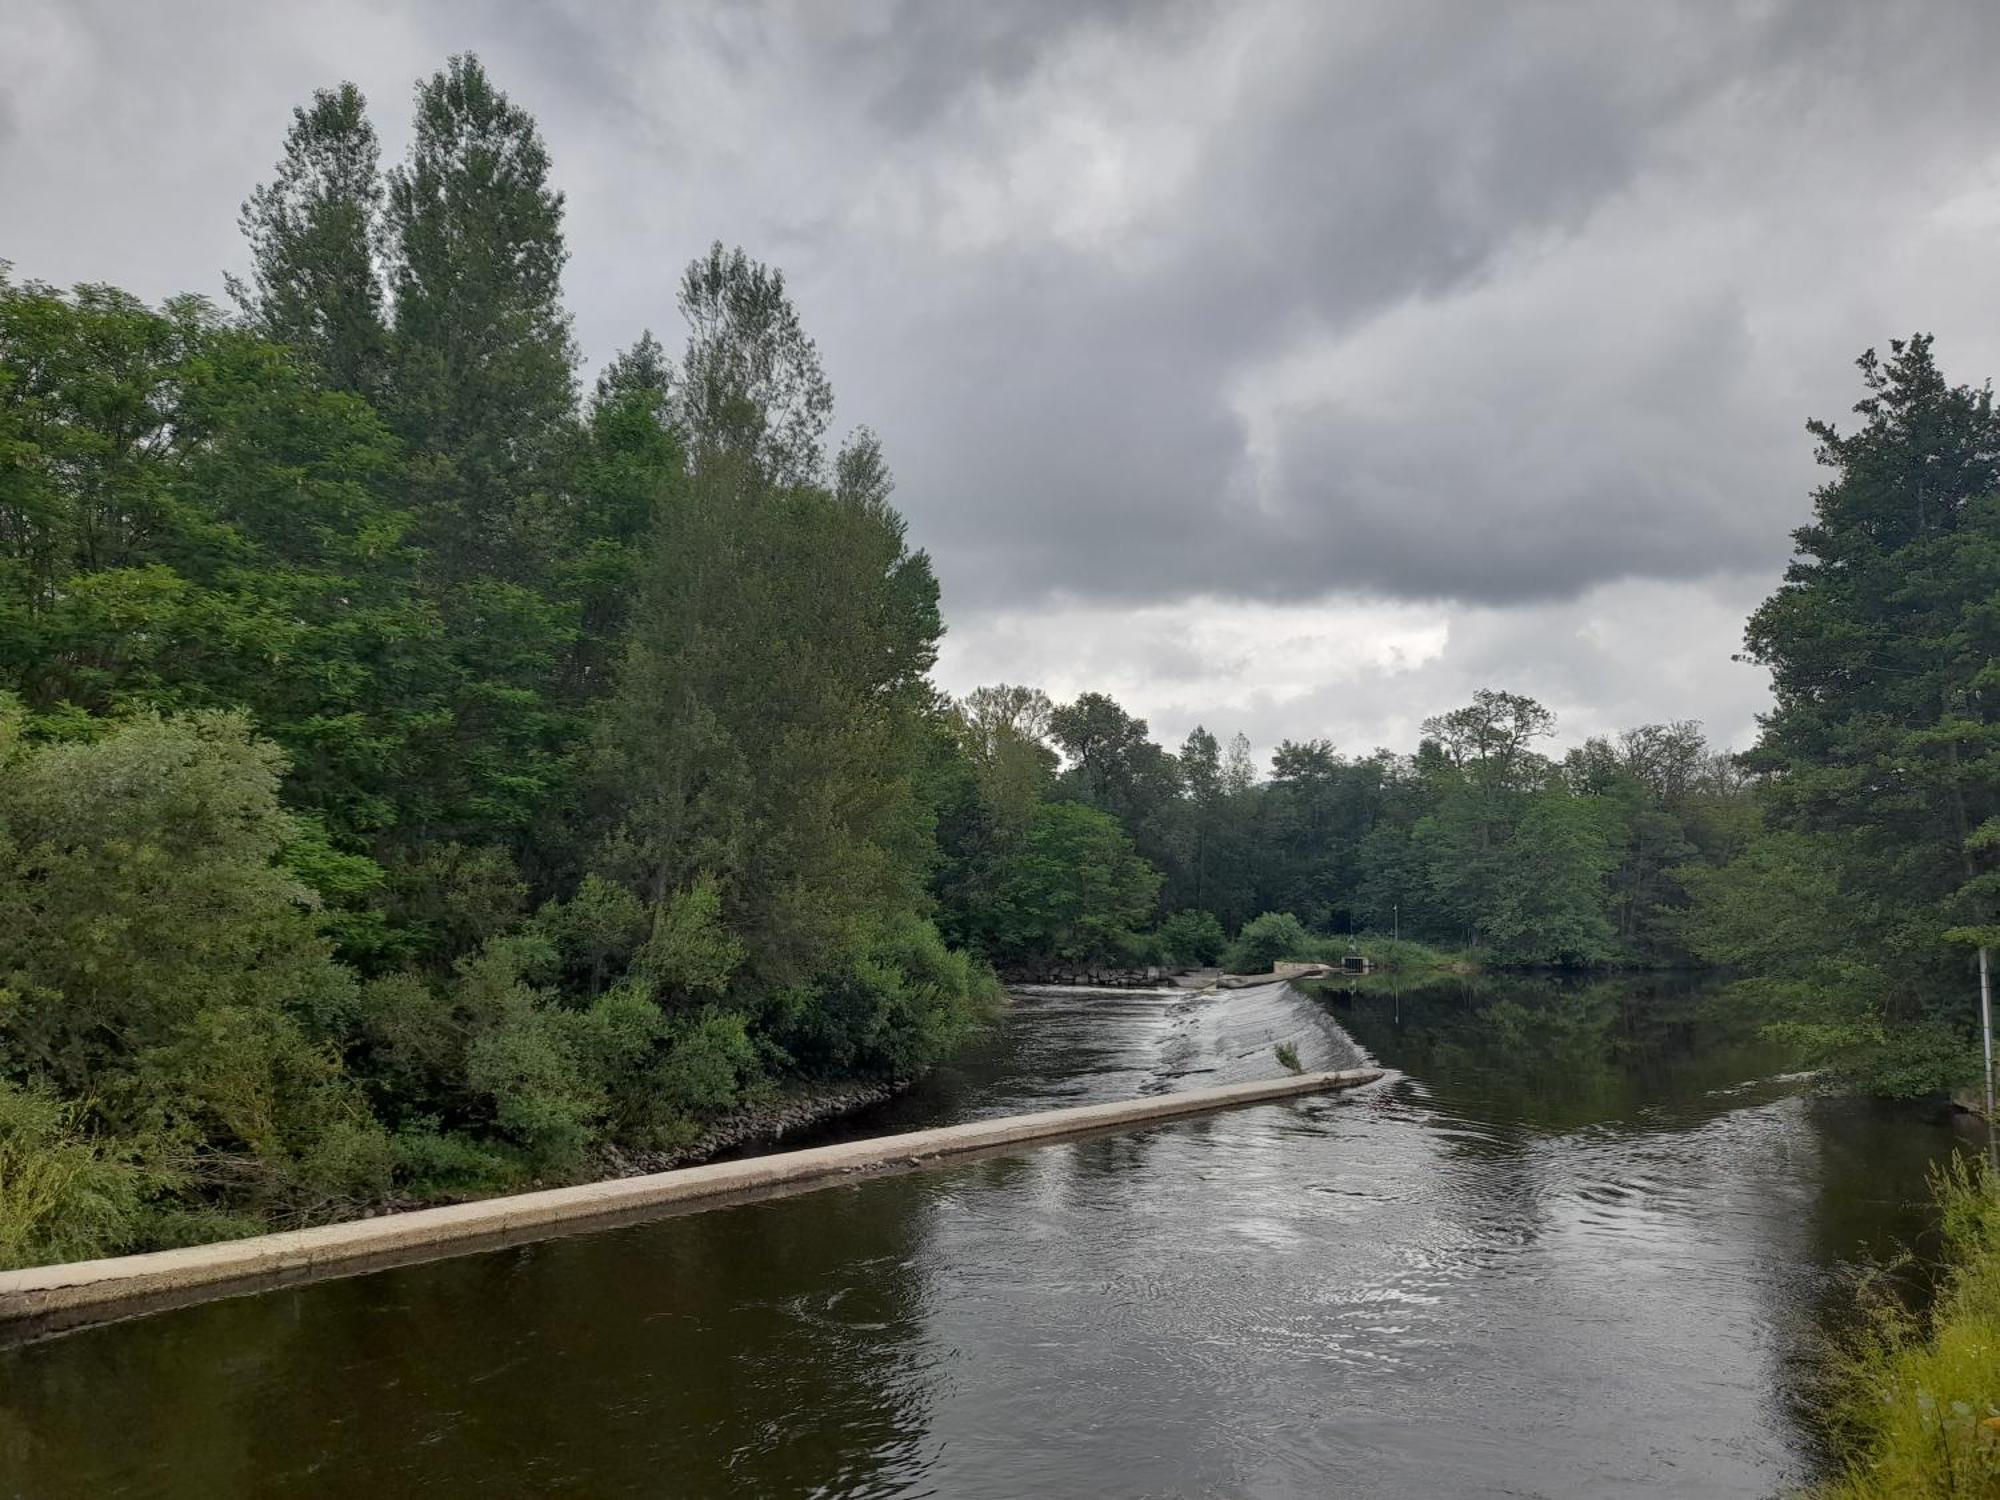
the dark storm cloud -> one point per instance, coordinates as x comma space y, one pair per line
1063, 411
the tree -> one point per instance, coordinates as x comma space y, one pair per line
752, 383
1547, 904
1114, 766
631, 464
157, 959
1884, 744
1075, 892
483, 376
1201, 782
769, 716
312, 232
1004, 734
1492, 736
415, 779
188, 520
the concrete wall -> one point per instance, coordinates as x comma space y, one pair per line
52, 1296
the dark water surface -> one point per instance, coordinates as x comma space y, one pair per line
1580, 1248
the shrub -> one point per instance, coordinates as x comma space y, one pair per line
543, 1096
63, 1195
893, 1010
1192, 938
596, 931
140, 885
708, 1058
433, 1163
1265, 940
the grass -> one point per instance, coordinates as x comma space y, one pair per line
1914, 1400
1289, 1056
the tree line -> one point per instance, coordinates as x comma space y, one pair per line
1845, 868
420, 774
1071, 837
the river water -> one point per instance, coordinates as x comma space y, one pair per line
1581, 1245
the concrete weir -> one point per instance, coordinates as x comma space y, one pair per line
46, 1297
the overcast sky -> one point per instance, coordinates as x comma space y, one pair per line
1293, 367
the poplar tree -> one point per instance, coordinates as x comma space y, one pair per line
312, 231
752, 382
484, 377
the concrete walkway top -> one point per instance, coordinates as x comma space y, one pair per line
50, 1296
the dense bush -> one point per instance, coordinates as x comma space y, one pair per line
63, 1194
1265, 940
1192, 938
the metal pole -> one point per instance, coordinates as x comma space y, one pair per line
1986, 1023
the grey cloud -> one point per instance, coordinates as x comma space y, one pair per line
1074, 426
1578, 273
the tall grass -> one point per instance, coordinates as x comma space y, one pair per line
1914, 1400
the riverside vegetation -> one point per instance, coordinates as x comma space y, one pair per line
423, 776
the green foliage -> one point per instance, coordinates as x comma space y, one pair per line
312, 233
141, 889
1192, 939
158, 960
599, 930
690, 952
1267, 939
187, 521
1548, 898
1881, 760
1476, 840
1915, 1400
1075, 890
752, 383
483, 383
63, 1195
532, 1073
895, 1010
414, 781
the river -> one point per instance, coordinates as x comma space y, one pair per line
1581, 1244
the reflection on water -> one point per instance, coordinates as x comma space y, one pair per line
1576, 1248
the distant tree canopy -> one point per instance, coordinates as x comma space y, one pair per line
1477, 839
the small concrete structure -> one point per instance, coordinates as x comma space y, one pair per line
43, 1297
1281, 973
1288, 969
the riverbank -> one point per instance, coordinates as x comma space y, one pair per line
763, 1123
50, 1175
1915, 1402
48, 1297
